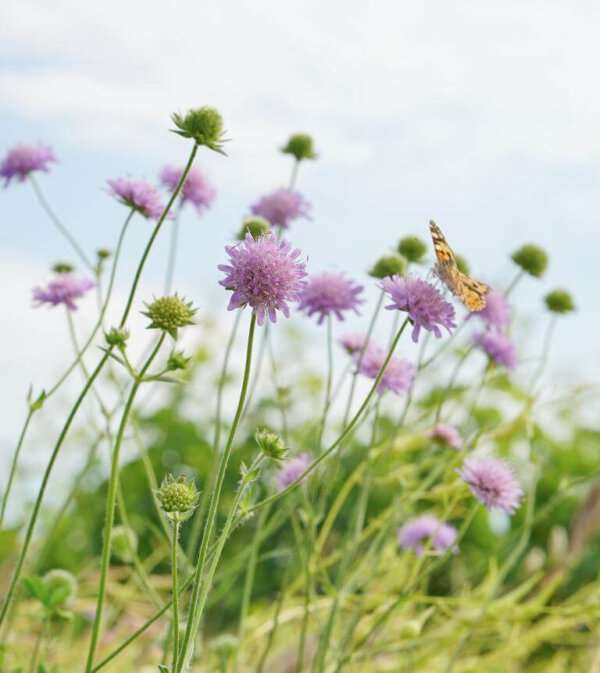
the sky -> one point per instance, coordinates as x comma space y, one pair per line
482, 116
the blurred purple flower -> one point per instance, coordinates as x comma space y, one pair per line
330, 293
292, 469
425, 528
496, 313
493, 483
281, 207
498, 347
196, 188
22, 160
398, 376
354, 342
64, 289
424, 304
446, 434
265, 274
138, 194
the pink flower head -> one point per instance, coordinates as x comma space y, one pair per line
22, 160
398, 376
281, 207
64, 289
330, 293
498, 347
265, 274
424, 304
446, 434
493, 483
354, 342
292, 469
196, 188
138, 194
496, 313
441, 536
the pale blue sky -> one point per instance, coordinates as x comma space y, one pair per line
482, 115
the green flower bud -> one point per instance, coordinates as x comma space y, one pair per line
124, 543
177, 360
61, 585
103, 253
559, 301
389, 265
300, 146
413, 248
255, 225
204, 125
178, 497
63, 267
462, 264
532, 259
117, 337
170, 313
270, 444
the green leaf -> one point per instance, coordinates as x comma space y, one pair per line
36, 588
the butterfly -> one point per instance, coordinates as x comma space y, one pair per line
471, 292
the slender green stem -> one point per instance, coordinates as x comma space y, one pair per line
513, 284
545, 353
452, 381
59, 225
173, 248
175, 593
329, 384
278, 394
197, 602
157, 228
294, 175
361, 356
347, 430
42, 489
249, 581
13, 465
37, 648
273, 631
111, 505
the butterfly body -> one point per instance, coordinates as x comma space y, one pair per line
472, 293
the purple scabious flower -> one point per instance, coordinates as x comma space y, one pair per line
496, 313
498, 347
281, 207
354, 342
292, 469
446, 434
493, 483
22, 160
330, 293
265, 274
427, 527
138, 194
398, 375
196, 188
424, 304
64, 289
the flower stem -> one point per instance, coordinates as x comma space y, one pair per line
42, 489
173, 246
59, 225
13, 465
175, 594
111, 505
329, 384
197, 600
347, 430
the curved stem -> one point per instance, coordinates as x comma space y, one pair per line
452, 381
173, 246
59, 225
44, 485
197, 600
278, 395
13, 465
329, 381
349, 428
294, 175
111, 505
162, 218
361, 356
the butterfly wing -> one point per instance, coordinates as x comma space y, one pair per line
471, 292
